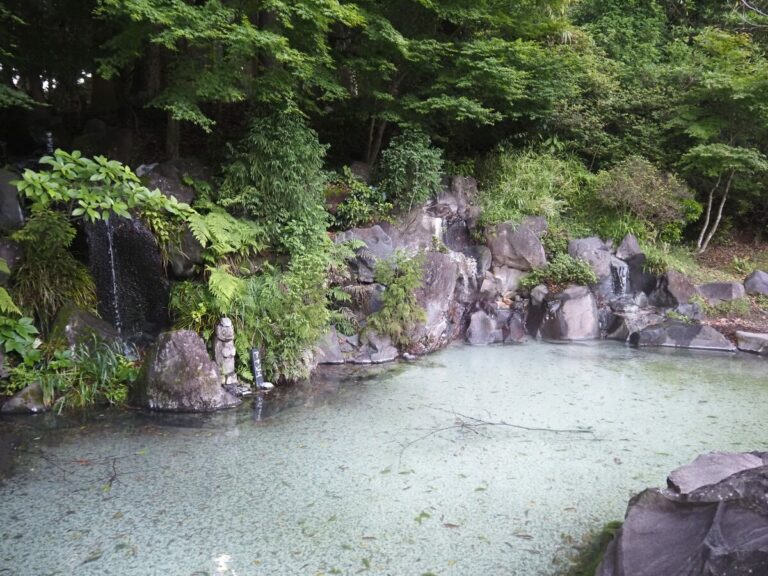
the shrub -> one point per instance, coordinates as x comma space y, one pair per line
362, 204
49, 275
561, 271
518, 184
655, 199
411, 170
275, 176
400, 311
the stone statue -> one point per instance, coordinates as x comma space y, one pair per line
224, 353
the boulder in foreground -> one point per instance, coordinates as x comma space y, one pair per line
179, 376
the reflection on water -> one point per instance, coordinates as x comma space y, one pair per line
474, 461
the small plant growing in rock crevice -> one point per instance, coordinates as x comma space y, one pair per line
561, 271
400, 311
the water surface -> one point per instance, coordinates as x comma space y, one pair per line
473, 461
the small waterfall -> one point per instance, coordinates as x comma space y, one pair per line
113, 275
620, 273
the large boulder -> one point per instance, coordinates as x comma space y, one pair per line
179, 376
752, 342
594, 252
628, 248
186, 259
374, 348
328, 349
483, 330
714, 523
500, 281
626, 323
757, 283
168, 178
378, 246
74, 326
482, 257
717, 292
675, 334
516, 246
674, 289
30, 400
571, 315
11, 216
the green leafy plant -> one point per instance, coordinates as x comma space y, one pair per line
411, 170
361, 205
518, 184
50, 276
561, 271
400, 311
19, 336
223, 236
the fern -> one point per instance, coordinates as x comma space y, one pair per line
7, 306
222, 235
224, 286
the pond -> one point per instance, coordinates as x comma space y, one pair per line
473, 461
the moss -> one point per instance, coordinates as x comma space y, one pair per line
591, 554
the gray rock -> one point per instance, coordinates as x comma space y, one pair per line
757, 283
376, 240
627, 323
537, 224
674, 289
415, 230
710, 469
716, 529
752, 342
539, 294
483, 330
516, 246
594, 252
27, 401
74, 326
717, 292
457, 236
179, 376
674, 334
628, 248
11, 216
571, 315
12, 253
691, 311
328, 350
375, 349
366, 299
500, 281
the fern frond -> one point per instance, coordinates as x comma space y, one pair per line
7, 306
224, 286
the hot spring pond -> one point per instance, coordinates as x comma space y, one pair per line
403, 470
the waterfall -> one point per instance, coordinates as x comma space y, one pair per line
438, 230
113, 275
620, 272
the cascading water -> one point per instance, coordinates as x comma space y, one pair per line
113, 275
620, 274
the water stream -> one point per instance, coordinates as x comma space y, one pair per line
404, 470
113, 276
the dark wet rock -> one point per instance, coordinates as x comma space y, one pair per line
639, 279
168, 178
12, 254
516, 246
462, 190
11, 216
366, 299
710, 469
457, 236
717, 292
752, 342
179, 376
628, 248
717, 526
674, 289
483, 330
594, 252
328, 350
571, 315
675, 334
187, 258
131, 283
74, 326
27, 401
482, 257
515, 332
757, 283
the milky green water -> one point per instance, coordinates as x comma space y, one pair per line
409, 470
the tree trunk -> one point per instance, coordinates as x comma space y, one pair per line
719, 213
709, 212
375, 141
172, 138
